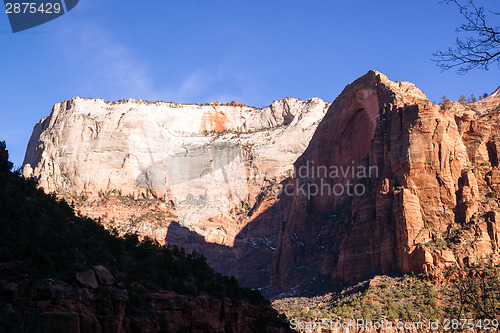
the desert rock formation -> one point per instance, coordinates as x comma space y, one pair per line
102, 308
389, 182
182, 170
425, 176
204, 159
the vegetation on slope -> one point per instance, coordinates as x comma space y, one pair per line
470, 293
42, 238
382, 298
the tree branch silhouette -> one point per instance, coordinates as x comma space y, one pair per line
480, 49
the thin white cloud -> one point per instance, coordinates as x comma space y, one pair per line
189, 89
106, 63
104, 66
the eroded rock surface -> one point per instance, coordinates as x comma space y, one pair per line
425, 178
54, 305
162, 168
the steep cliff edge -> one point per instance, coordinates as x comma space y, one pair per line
391, 183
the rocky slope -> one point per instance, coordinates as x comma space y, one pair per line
61, 273
422, 182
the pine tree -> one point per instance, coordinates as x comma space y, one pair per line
462, 100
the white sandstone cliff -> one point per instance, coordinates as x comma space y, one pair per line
205, 159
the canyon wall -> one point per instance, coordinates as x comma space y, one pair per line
391, 183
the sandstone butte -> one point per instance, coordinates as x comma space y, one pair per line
211, 178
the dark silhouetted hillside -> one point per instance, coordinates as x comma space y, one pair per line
60, 272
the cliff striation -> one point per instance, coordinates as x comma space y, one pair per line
185, 171
391, 183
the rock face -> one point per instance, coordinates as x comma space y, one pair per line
53, 305
391, 183
388, 183
206, 159
150, 168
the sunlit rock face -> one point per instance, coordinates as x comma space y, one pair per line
424, 202
140, 165
92, 145
203, 180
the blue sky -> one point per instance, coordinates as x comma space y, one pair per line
253, 52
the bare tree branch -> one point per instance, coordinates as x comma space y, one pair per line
480, 49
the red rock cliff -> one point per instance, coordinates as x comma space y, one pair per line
391, 183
